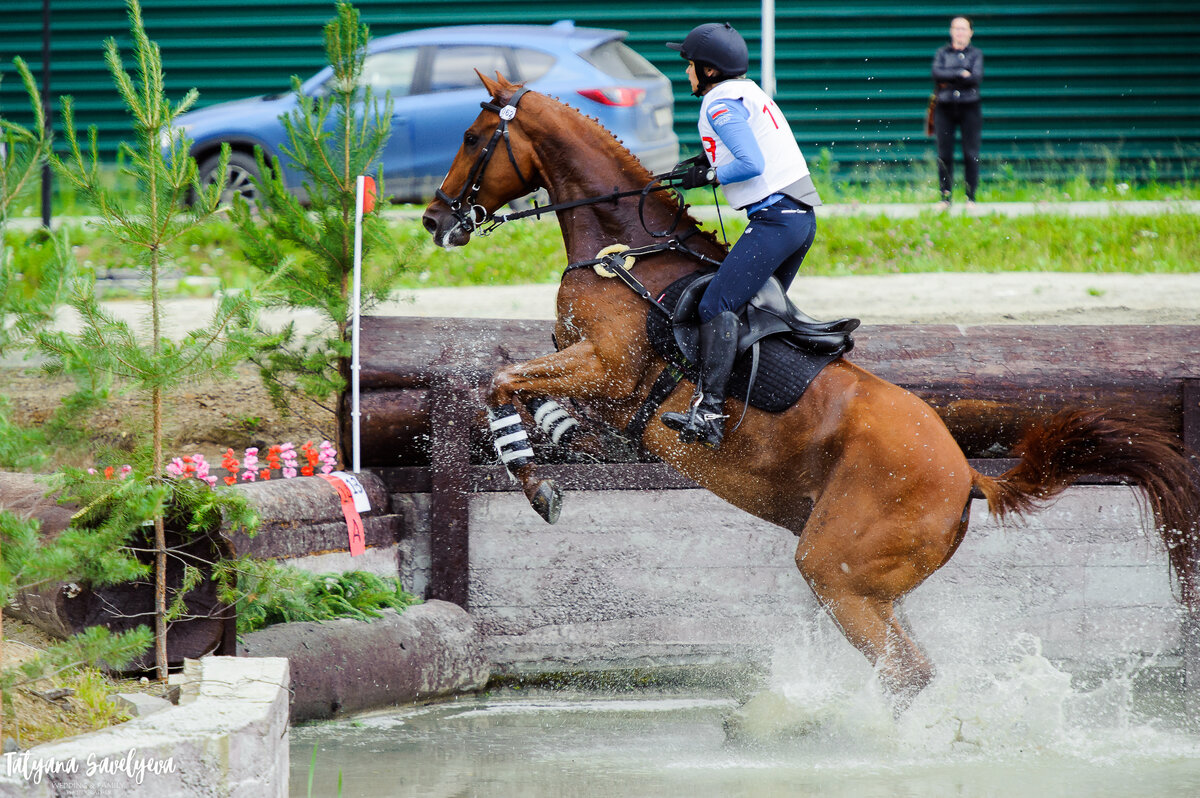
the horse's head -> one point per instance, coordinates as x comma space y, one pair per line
495, 164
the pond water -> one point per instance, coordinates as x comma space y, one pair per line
1012, 725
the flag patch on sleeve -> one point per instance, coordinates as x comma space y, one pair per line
720, 116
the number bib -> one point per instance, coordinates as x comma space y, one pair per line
785, 162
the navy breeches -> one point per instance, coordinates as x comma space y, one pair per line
775, 242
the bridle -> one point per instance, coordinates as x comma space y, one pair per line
466, 210
471, 217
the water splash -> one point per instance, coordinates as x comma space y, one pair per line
1000, 702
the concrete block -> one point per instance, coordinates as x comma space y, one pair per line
228, 737
630, 577
378, 560
345, 666
139, 705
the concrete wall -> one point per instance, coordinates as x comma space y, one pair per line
630, 579
228, 737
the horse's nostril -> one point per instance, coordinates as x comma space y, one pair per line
429, 222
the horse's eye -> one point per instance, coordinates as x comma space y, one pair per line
470, 139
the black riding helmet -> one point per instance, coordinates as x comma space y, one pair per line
717, 44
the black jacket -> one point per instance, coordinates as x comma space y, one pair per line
951, 86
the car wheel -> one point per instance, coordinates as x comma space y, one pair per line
240, 175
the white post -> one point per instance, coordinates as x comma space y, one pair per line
768, 47
356, 302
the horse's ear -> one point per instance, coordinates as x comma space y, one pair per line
491, 86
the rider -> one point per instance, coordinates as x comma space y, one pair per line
748, 149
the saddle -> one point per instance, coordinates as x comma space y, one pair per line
769, 312
780, 349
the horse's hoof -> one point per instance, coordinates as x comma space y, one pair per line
547, 500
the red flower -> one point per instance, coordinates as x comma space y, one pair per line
310, 454
230, 480
108, 473
306, 471
265, 473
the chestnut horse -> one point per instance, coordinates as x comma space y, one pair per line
863, 471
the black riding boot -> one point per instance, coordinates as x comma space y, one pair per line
705, 422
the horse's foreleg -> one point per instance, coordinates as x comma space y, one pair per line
576, 371
512, 444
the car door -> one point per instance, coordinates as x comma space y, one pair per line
444, 105
393, 73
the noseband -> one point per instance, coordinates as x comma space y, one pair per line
469, 213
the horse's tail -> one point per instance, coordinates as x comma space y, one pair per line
1074, 443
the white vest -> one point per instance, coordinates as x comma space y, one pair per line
785, 163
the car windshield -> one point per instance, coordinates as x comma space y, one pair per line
618, 60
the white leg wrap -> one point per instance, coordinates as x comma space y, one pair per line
554, 420
509, 436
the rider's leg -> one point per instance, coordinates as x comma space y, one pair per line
805, 220
773, 239
705, 422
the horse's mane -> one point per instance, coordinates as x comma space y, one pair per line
626, 160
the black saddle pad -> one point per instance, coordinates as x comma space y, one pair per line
784, 372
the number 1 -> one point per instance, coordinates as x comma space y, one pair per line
767, 111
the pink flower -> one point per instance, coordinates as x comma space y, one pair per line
328, 457
250, 463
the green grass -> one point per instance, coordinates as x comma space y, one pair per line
531, 251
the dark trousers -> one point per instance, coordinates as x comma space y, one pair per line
948, 117
775, 241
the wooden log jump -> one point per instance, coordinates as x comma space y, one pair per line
987, 382
63, 609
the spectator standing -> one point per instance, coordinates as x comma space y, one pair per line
957, 74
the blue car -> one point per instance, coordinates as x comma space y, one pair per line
430, 75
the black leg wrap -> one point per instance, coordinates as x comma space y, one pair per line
508, 433
554, 420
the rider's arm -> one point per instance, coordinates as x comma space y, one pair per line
730, 121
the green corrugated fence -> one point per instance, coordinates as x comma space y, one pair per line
1088, 84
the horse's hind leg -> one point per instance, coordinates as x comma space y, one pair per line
859, 557
871, 626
